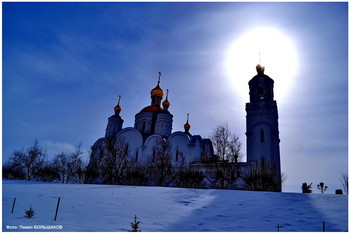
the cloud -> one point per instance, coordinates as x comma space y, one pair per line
53, 148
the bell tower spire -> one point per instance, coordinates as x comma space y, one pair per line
262, 124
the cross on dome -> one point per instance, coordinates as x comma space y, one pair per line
117, 108
187, 126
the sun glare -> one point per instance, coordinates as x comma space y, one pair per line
269, 47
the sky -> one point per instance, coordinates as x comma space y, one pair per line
64, 65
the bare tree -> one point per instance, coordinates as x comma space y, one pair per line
160, 165
70, 167
76, 166
114, 161
262, 176
227, 146
222, 174
136, 174
344, 182
190, 178
14, 167
223, 170
30, 161
60, 163
47, 172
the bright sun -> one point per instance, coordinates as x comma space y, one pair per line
269, 47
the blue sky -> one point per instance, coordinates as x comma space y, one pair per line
64, 65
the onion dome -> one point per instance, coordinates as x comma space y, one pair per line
260, 69
187, 126
166, 103
117, 108
157, 91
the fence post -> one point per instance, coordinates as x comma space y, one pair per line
13, 205
324, 226
58, 204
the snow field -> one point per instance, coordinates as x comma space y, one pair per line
106, 208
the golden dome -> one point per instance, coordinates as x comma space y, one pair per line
260, 69
166, 103
117, 108
157, 91
187, 126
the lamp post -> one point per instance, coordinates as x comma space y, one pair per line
322, 187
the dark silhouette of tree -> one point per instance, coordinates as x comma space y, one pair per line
190, 178
70, 167
227, 146
262, 176
114, 161
135, 225
47, 172
306, 188
33, 160
136, 174
60, 163
223, 169
13, 169
161, 167
29, 213
25, 164
222, 174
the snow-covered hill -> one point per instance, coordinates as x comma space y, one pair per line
112, 208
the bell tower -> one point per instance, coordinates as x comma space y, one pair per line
262, 124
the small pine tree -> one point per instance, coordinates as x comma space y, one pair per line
29, 213
135, 225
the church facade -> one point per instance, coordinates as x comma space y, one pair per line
153, 124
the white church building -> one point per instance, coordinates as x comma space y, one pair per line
154, 123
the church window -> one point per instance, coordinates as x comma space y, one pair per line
177, 155
154, 155
260, 90
262, 136
143, 126
137, 155
126, 149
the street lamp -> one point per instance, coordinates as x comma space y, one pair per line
322, 187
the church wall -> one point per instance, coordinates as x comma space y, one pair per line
149, 146
181, 143
164, 124
143, 122
133, 138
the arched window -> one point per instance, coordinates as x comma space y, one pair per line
262, 136
137, 155
154, 155
143, 126
177, 155
126, 150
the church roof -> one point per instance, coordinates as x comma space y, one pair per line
151, 109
